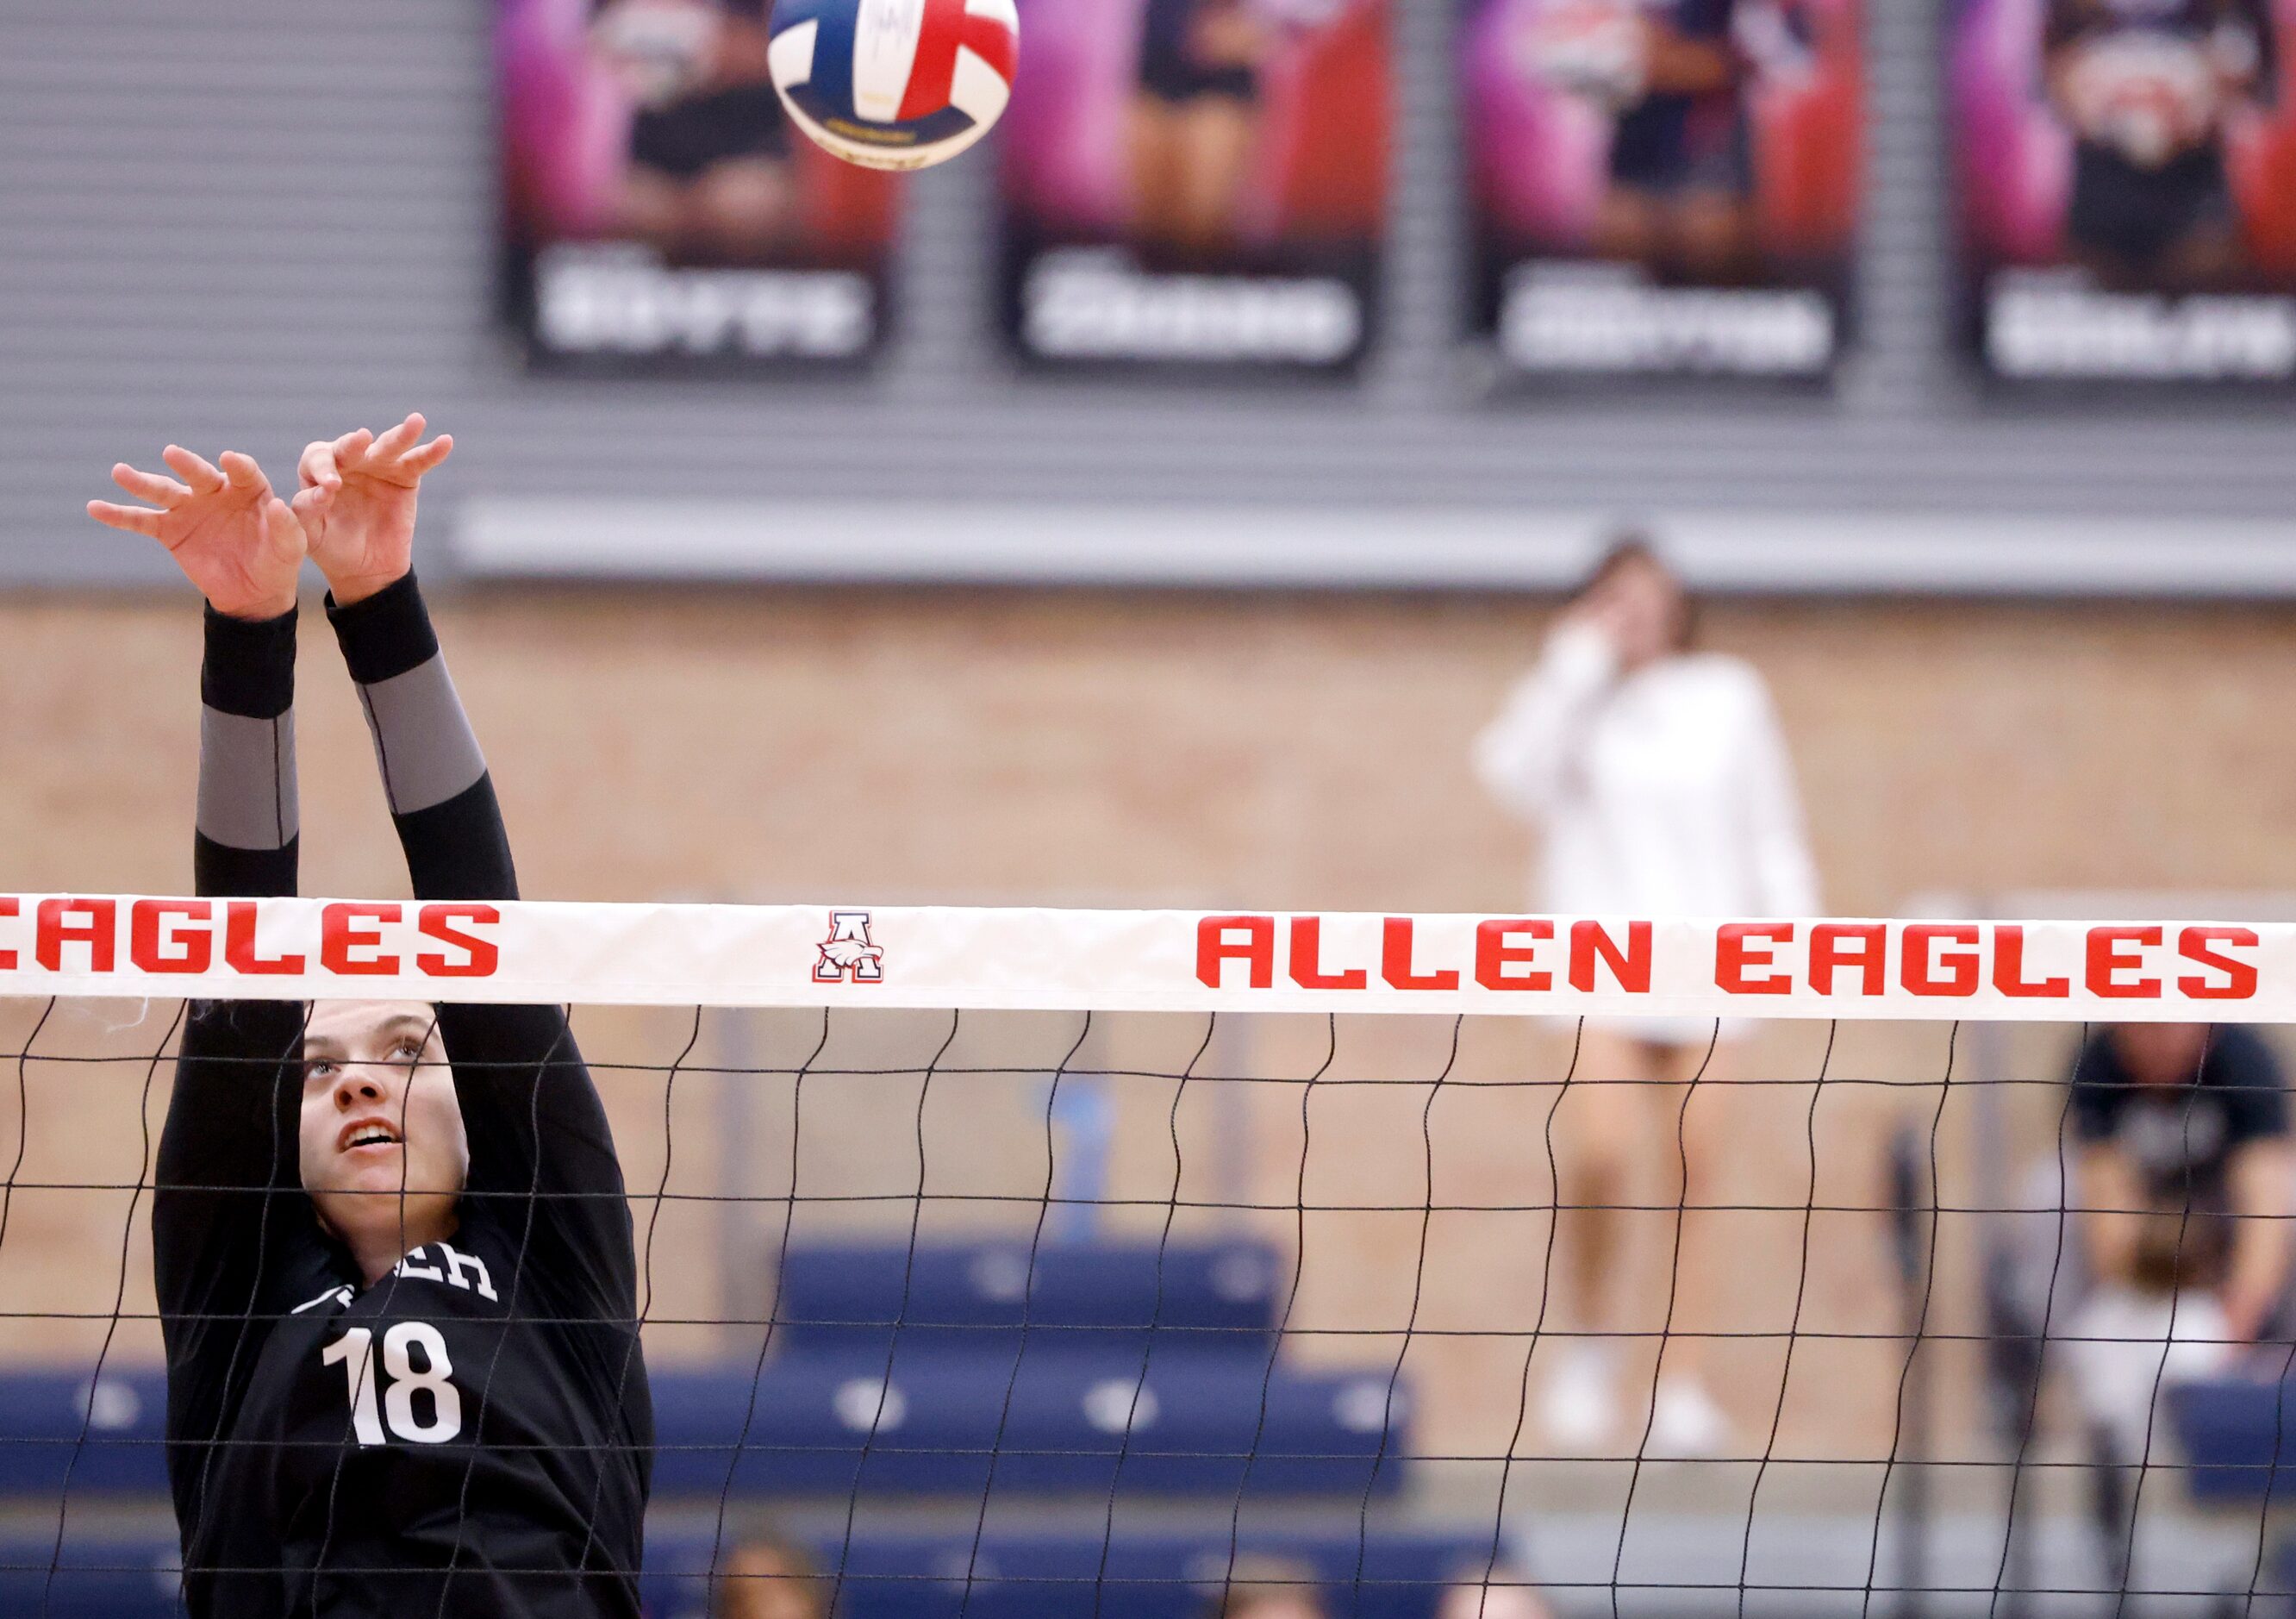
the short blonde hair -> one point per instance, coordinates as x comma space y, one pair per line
1258, 1576
730, 1599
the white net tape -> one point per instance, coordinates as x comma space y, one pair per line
1147, 961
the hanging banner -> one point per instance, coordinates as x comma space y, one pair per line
1663, 187
1196, 183
2127, 187
659, 210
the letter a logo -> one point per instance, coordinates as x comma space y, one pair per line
847, 955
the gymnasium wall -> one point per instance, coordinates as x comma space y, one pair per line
250, 222
1284, 752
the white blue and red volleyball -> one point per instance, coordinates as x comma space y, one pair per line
895, 84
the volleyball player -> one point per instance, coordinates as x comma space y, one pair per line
2146, 87
1660, 783
393, 1257
1195, 122
1198, 114
710, 178
1676, 77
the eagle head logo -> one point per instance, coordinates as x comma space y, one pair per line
849, 955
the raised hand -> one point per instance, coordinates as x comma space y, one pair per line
233, 537
357, 505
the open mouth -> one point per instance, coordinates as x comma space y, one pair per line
366, 1133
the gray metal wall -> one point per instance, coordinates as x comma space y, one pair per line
247, 222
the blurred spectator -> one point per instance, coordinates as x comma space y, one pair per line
2178, 1252
770, 1576
1660, 783
1264, 1587
2184, 1182
1503, 1590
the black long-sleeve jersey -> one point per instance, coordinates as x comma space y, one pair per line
472, 1435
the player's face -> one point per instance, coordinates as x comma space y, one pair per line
383, 1150
1644, 606
2162, 1053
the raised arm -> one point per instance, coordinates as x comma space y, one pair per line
1526, 757
229, 1121
228, 1205
535, 1121
2247, 47
243, 547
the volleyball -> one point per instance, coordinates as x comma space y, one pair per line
895, 84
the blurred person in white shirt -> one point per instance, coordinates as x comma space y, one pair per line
1659, 784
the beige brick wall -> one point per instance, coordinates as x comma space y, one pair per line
1268, 751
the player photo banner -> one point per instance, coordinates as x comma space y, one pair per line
659, 210
1663, 187
1196, 183
1021, 959
2127, 187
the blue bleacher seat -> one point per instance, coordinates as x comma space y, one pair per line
851, 1299
108, 1576
1162, 1575
1140, 1370
1044, 1422
1061, 1427
113, 1443
2239, 1436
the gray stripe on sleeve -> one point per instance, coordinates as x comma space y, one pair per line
423, 740
247, 780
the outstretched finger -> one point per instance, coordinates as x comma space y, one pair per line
422, 461
396, 443
203, 478
131, 520
245, 476
163, 492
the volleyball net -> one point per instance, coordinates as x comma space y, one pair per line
1115, 1263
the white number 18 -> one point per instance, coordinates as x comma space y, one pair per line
355, 1348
